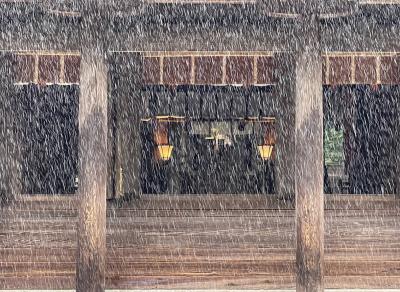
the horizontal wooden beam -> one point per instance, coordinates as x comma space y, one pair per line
39, 34
266, 37
360, 34
46, 33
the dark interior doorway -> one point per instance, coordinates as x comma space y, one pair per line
215, 133
366, 116
49, 135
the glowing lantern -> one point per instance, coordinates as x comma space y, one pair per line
165, 151
268, 143
265, 151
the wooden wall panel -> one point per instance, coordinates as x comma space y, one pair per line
390, 69
208, 70
239, 70
340, 70
72, 69
265, 70
49, 69
365, 70
177, 70
151, 70
25, 71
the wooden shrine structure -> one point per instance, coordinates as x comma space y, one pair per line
307, 39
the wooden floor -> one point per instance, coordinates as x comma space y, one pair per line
181, 243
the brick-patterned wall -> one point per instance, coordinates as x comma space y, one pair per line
239, 70
47, 68
25, 71
338, 68
390, 69
361, 69
71, 68
208, 69
177, 70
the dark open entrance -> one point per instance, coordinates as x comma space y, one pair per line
214, 135
49, 135
360, 138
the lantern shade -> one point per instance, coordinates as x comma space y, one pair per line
165, 151
265, 151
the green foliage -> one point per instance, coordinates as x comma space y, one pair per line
333, 146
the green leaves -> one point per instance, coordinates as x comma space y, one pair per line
333, 146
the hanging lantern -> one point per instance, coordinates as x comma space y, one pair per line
265, 151
165, 151
267, 147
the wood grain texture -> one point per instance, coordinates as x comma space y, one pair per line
309, 157
162, 247
92, 189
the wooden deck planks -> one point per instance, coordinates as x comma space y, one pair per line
194, 248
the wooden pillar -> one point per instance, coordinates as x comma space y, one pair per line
130, 106
285, 127
397, 140
10, 181
90, 274
309, 156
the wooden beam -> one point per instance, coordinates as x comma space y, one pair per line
309, 157
360, 34
38, 33
35, 31
90, 274
141, 37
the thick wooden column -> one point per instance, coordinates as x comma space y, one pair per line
309, 157
10, 181
90, 274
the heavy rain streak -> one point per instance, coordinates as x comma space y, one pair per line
199, 145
